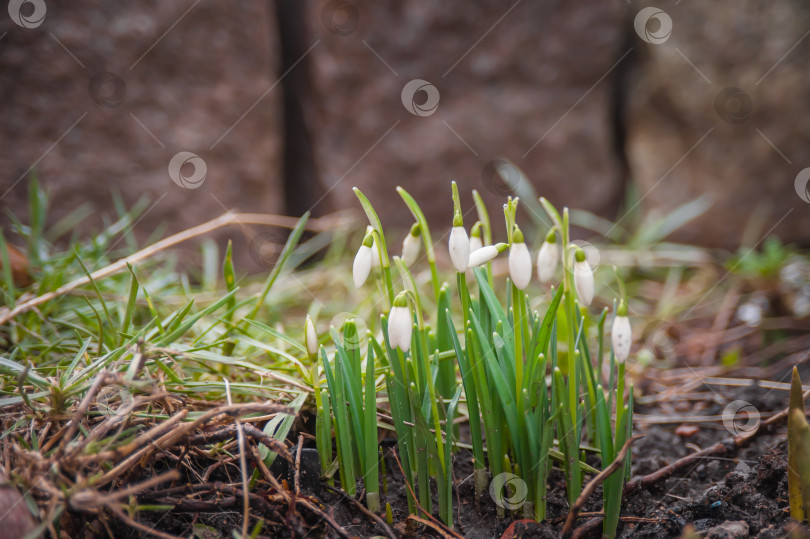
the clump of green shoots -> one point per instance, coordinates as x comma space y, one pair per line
532, 387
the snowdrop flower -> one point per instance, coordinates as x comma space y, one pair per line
400, 324
312, 338
363, 261
475, 238
459, 245
621, 334
583, 278
411, 244
482, 255
547, 258
375, 255
375, 249
520, 261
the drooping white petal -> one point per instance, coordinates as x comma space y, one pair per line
410, 249
375, 256
621, 336
475, 244
459, 247
547, 259
482, 255
400, 327
520, 265
583, 281
362, 265
312, 338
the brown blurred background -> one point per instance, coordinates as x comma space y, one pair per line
290, 103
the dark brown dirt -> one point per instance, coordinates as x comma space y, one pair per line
718, 496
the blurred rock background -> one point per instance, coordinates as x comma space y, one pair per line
290, 103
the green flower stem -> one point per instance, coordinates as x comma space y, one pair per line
413, 294
401, 411
571, 439
371, 475
483, 218
464, 293
419, 216
379, 238
385, 266
601, 345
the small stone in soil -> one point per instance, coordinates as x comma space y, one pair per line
685, 431
728, 530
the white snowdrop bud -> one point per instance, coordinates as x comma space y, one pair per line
362, 262
400, 324
481, 256
547, 258
520, 261
375, 249
475, 238
459, 245
583, 278
621, 334
312, 339
411, 245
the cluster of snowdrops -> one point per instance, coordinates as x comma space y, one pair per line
533, 386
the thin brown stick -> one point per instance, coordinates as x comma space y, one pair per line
122, 414
373, 516
100, 380
226, 219
268, 475
229, 431
174, 436
433, 525
149, 436
90, 499
135, 524
172, 475
297, 476
240, 437
595, 482
302, 501
447, 531
312, 507
719, 448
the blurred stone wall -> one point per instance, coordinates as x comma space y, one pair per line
510, 83
182, 102
719, 107
102, 95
